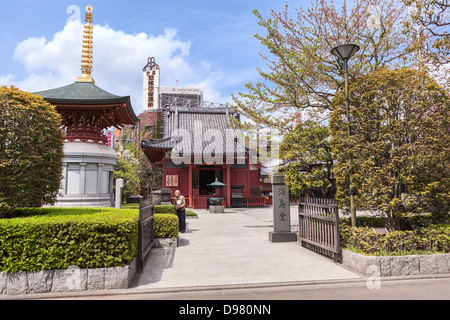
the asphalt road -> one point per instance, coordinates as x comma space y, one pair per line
433, 288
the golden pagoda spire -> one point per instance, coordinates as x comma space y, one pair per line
88, 36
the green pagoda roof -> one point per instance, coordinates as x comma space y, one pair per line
82, 93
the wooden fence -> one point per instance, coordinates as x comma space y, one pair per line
318, 226
146, 230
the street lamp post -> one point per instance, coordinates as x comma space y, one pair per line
344, 53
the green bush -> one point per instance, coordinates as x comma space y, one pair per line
374, 222
165, 209
168, 209
58, 238
434, 239
33, 239
166, 226
31, 150
413, 222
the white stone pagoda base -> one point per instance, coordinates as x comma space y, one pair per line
88, 170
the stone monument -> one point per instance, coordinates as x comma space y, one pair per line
162, 197
119, 187
281, 212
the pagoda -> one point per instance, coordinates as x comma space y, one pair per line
86, 111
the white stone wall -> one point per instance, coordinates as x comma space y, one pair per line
87, 175
397, 265
72, 279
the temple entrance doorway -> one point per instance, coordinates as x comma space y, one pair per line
207, 176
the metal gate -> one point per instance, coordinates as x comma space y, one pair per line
146, 230
318, 226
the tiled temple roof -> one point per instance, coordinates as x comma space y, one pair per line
198, 130
86, 93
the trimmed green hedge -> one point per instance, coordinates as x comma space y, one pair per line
33, 239
166, 225
165, 209
424, 239
413, 222
170, 209
51, 238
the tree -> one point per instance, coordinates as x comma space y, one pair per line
309, 160
31, 150
428, 27
148, 175
398, 150
125, 170
302, 72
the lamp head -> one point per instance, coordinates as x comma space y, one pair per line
345, 51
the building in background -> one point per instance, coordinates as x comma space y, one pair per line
156, 97
189, 97
151, 85
229, 161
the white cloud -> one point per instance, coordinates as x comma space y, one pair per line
118, 61
9, 78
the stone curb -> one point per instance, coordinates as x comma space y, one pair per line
387, 266
165, 242
72, 279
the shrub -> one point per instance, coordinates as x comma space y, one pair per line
165, 209
33, 239
169, 209
435, 239
57, 239
388, 159
31, 150
362, 221
166, 226
413, 222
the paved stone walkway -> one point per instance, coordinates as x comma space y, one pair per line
233, 248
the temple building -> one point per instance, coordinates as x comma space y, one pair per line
87, 111
198, 146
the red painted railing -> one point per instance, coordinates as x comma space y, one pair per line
85, 134
201, 202
254, 201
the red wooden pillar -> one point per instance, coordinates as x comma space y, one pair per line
164, 174
249, 181
228, 183
191, 201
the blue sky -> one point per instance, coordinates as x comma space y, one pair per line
208, 43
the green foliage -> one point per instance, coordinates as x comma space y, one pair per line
299, 70
432, 18
57, 238
422, 241
398, 151
156, 132
171, 210
33, 239
307, 151
31, 150
166, 226
165, 209
191, 214
148, 175
413, 222
125, 169
423, 238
